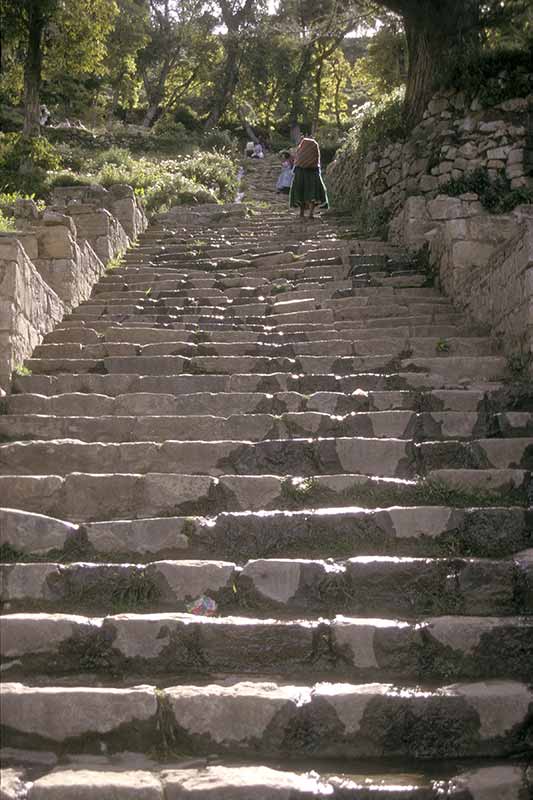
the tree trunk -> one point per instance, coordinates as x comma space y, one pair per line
338, 81
151, 115
437, 33
297, 105
32, 70
247, 127
318, 99
229, 82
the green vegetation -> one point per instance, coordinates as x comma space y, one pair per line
495, 195
6, 224
21, 371
203, 177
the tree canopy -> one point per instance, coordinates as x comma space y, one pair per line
208, 63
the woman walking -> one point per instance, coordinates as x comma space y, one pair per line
307, 190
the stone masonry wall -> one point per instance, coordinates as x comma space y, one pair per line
29, 308
50, 265
454, 138
482, 261
486, 265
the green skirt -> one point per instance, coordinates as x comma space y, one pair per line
307, 187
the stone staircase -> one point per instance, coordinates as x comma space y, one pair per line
266, 529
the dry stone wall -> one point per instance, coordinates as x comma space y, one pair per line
485, 264
50, 265
29, 307
482, 261
454, 138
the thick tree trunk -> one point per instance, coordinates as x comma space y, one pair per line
297, 108
229, 83
32, 70
437, 32
318, 99
151, 115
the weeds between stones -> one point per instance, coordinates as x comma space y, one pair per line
21, 371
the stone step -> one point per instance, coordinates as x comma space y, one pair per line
273, 383
345, 346
424, 336
514, 423
249, 427
199, 780
356, 649
92, 497
361, 585
223, 403
484, 719
384, 457
323, 533
215, 365
453, 370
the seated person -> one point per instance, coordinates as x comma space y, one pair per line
283, 184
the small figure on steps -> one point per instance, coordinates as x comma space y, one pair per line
307, 190
258, 151
283, 184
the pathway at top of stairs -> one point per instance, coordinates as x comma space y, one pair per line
266, 529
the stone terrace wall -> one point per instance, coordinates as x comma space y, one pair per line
29, 308
482, 261
486, 265
50, 265
452, 139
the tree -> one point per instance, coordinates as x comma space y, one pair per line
178, 33
128, 37
237, 17
319, 28
71, 33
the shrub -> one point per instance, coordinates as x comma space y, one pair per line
117, 156
495, 194
493, 75
217, 139
6, 224
171, 134
8, 200
188, 118
19, 152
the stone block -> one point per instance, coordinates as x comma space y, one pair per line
443, 207
498, 153
515, 156
471, 253
55, 242
428, 183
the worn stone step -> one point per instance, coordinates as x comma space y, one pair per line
92, 497
158, 427
323, 533
464, 402
514, 423
362, 585
488, 718
104, 779
251, 427
478, 454
348, 344
359, 649
385, 457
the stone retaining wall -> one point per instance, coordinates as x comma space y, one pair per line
29, 308
486, 265
50, 265
454, 138
482, 261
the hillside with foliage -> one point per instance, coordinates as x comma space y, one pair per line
139, 90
